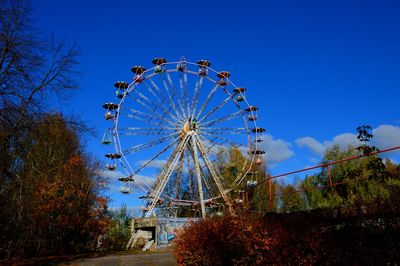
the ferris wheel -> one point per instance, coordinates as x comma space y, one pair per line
171, 128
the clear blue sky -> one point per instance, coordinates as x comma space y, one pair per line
316, 69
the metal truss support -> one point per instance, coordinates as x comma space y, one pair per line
198, 175
165, 175
214, 175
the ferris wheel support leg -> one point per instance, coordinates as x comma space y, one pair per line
198, 175
164, 177
179, 176
215, 176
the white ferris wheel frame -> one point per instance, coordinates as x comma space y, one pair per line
183, 113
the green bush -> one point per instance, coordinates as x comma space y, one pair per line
118, 233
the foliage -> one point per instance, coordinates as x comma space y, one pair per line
223, 241
320, 237
50, 197
358, 182
354, 222
256, 199
119, 232
51, 204
291, 199
365, 135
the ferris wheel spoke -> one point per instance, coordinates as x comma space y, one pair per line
224, 130
171, 97
213, 141
184, 83
196, 95
133, 131
239, 146
210, 143
222, 104
151, 110
138, 115
184, 91
149, 144
161, 102
155, 157
168, 96
221, 119
135, 116
209, 96
178, 99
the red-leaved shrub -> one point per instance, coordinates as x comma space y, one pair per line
224, 241
319, 237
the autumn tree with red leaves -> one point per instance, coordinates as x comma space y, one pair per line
54, 205
50, 194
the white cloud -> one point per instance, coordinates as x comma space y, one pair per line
140, 183
159, 164
144, 180
311, 143
215, 147
112, 175
343, 141
276, 150
386, 136
314, 160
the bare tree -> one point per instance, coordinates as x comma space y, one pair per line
32, 68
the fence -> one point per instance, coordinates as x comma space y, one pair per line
330, 182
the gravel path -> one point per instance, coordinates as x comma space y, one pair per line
164, 258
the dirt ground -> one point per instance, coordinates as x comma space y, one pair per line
162, 258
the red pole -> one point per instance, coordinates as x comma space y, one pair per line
329, 175
247, 200
270, 194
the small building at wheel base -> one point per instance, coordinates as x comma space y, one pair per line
155, 232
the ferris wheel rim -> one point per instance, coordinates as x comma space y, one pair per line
148, 74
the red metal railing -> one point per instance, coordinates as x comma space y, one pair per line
328, 165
